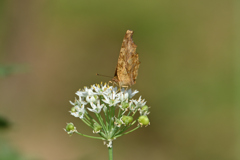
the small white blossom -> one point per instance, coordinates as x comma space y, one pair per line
100, 90
81, 93
111, 100
90, 92
141, 112
123, 97
130, 93
132, 107
78, 102
91, 99
139, 102
74, 104
80, 111
96, 108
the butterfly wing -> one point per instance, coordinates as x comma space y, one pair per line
128, 62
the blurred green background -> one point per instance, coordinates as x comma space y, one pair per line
51, 48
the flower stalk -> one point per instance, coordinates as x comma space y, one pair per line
110, 153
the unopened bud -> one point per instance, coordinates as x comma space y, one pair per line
125, 105
96, 128
127, 119
143, 120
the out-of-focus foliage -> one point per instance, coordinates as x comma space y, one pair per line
4, 124
7, 70
8, 153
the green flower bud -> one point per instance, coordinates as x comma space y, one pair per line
125, 105
127, 119
144, 108
70, 127
96, 128
143, 120
132, 106
73, 109
118, 121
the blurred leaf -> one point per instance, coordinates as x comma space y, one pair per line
9, 153
4, 123
6, 70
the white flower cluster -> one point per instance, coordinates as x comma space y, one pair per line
102, 96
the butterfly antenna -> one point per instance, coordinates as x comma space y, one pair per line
103, 75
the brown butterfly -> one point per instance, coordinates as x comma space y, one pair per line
128, 62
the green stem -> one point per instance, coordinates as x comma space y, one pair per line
101, 122
86, 123
110, 153
121, 130
89, 136
112, 116
119, 113
106, 120
127, 132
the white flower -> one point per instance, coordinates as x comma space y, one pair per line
79, 112
103, 97
86, 92
141, 112
81, 93
139, 102
131, 94
78, 102
96, 108
81, 101
100, 90
90, 92
91, 99
123, 96
111, 99
132, 107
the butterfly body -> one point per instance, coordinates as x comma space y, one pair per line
128, 62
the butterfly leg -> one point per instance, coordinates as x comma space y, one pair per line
112, 85
109, 82
126, 87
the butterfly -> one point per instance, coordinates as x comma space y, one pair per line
126, 71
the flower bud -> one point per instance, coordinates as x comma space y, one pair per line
125, 105
70, 128
73, 109
144, 108
96, 128
132, 107
143, 120
118, 122
127, 119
